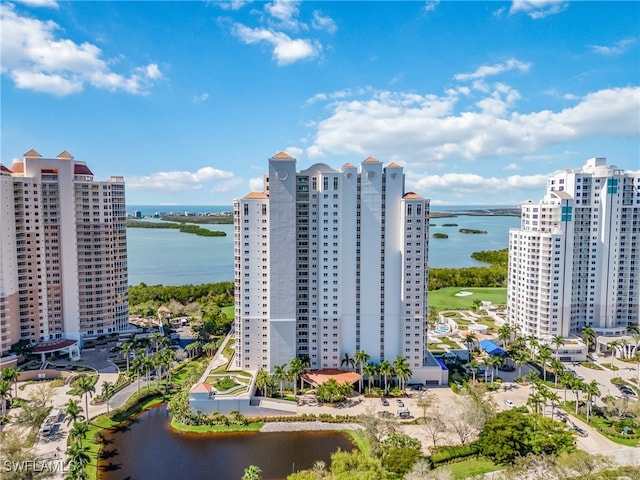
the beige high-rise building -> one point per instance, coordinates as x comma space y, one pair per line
63, 251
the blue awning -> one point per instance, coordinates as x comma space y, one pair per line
491, 348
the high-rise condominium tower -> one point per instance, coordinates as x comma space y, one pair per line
63, 251
330, 262
575, 260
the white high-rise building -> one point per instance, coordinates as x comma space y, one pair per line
575, 260
63, 251
330, 262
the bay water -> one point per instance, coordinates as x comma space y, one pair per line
170, 257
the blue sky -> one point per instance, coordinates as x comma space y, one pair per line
478, 101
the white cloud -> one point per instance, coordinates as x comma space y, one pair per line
285, 49
256, 184
490, 70
203, 97
40, 3
35, 58
538, 9
512, 166
618, 48
427, 129
430, 5
285, 12
320, 22
469, 185
176, 181
231, 4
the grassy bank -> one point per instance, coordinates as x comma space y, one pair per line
181, 427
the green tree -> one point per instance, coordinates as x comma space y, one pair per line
348, 361
252, 472
386, 370
593, 391
77, 458
544, 354
263, 380
402, 370
79, 431
361, 359
370, 370
5, 395
280, 374
557, 341
11, 374
73, 412
107, 391
588, 335
86, 386
295, 371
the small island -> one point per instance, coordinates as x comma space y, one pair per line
440, 235
471, 230
449, 224
183, 227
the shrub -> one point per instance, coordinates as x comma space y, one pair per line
444, 455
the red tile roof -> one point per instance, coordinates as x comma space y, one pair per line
32, 153
4, 169
201, 387
318, 377
17, 167
81, 169
53, 345
411, 196
256, 195
370, 160
282, 155
65, 154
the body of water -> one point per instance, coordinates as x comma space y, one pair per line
169, 257
146, 448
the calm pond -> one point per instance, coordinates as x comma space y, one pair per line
146, 448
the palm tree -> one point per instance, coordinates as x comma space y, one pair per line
386, 370
5, 394
128, 347
11, 374
263, 379
78, 458
613, 345
295, 370
554, 399
402, 370
137, 368
588, 335
87, 387
535, 400
566, 380
544, 353
371, 370
624, 343
504, 334
592, 390
494, 361
577, 385
280, 374
533, 342
107, 391
361, 359
73, 411
558, 368
473, 365
520, 357
470, 340
557, 341
348, 361
79, 431
636, 357
210, 347
432, 317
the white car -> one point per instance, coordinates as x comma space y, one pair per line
509, 404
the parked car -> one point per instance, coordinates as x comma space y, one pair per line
404, 413
384, 402
47, 428
506, 368
579, 431
400, 403
417, 387
509, 404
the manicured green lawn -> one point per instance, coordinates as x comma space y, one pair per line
445, 299
471, 468
229, 311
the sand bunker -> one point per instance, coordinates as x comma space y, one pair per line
463, 294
